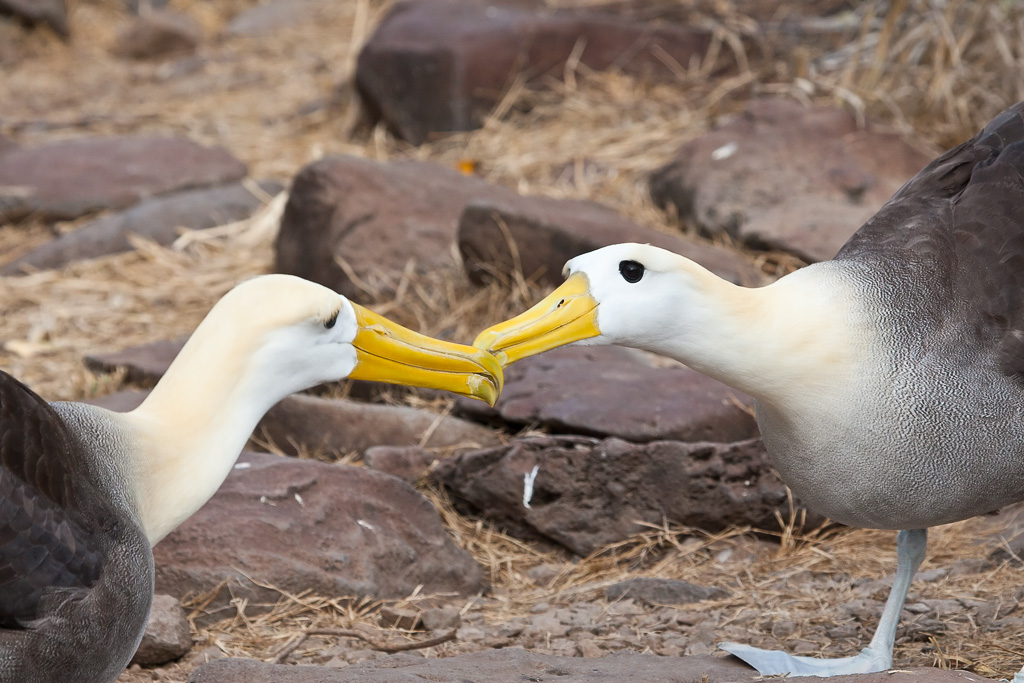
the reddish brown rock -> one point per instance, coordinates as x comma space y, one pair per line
168, 635
302, 525
376, 217
340, 426
71, 178
158, 34
410, 463
548, 232
589, 493
612, 391
159, 219
516, 664
441, 65
784, 176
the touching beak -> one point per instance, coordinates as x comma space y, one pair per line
388, 352
566, 315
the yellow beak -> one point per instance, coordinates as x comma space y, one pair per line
388, 352
566, 315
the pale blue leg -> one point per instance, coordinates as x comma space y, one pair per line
877, 656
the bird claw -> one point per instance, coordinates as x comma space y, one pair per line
773, 662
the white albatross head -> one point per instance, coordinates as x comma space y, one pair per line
289, 334
626, 294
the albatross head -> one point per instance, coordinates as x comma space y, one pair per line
624, 294
294, 334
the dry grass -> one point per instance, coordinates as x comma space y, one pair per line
936, 70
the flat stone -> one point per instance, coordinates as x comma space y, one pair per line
611, 391
410, 463
158, 34
548, 232
53, 13
159, 219
827, 177
301, 525
653, 591
516, 664
168, 635
441, 65
376, 217
589, 493
71, 178
340, 426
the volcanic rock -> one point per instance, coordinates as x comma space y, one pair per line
71, 178
827, 177
612, 391
588, 493
283, 524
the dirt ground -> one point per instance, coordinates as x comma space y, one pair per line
282, 101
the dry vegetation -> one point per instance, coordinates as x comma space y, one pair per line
936, 70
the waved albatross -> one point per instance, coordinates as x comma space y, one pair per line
889, 381
85, 493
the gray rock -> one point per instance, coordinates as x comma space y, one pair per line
652, 591
269, 18
158, 34
590, 493
515, 664
374, 216
341, 426
301, 525
51, 12
71, 178
168, 635
548, 232
441, 618
441, 65
142, 6
158, 219
827, 177
611, 391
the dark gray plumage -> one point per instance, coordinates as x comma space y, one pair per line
64, 550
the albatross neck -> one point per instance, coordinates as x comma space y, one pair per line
787, 344
193, 425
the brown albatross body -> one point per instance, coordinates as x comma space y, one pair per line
85, 492
889, 381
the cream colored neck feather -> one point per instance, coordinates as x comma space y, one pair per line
192, 427
789, 343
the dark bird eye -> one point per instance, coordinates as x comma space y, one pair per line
631, 270
329, 323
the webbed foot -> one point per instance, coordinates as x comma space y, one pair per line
773, 662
